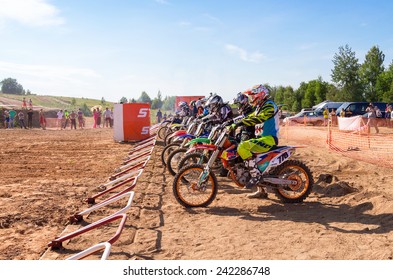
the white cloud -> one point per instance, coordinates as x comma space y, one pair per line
184, 23
309, 46
52, 80
212, 18
47, 71
244, 55
30, 12
164, 2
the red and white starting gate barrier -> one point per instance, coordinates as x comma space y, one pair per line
126, 176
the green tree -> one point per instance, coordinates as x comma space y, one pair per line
371, 68
333, 93
384, 85
132, 100
86, 110
155, 104
279, 94
346, 74
11, 86
123, 100
144, 98
169, 103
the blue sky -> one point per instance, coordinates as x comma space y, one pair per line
115, 48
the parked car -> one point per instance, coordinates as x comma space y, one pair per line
330, 105
359, 108
308, 117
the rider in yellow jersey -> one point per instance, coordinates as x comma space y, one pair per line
266, 113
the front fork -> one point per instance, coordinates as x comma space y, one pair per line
205, 174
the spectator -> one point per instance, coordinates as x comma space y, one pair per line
112, 118
73, 117
342, 113
80, 118
107, 117
12, 114
159, 116
6, 115
99, 115
372, 117
66, 117
30, 104
60, 116
164, 118
42, 119
30, 118
388, 111
348, 113
21, 117
24, 104
333, 117
391, 117
325, 116
95, 118
378, 112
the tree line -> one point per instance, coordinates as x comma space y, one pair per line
352, 81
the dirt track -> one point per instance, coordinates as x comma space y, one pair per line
46, 175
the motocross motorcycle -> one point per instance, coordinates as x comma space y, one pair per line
176, 155
179, 138
200, 149
196, 185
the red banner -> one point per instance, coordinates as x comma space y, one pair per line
131, 121
187, 99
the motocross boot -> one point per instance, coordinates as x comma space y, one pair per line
252, 167
260, 193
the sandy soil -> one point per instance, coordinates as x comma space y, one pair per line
46, 175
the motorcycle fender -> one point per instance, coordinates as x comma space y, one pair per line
179, 133
202, 147
198, 140
188, 136
281, 157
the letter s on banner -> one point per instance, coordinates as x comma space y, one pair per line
143, 112
145, 130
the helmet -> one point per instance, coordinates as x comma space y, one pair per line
259, 94
182, 104
214, 103
192, 103
242, 102
240, 99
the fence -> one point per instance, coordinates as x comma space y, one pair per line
119, 187
362, 144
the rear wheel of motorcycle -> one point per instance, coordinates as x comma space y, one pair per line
185, 187
168, 139
162, 131
167, 150
173, 160
299, 172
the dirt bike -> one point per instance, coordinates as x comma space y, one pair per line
176, 155
196, 185
181, 137
200, 149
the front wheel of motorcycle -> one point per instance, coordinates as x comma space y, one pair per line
173, 160
298, 172
187, 191
167, 150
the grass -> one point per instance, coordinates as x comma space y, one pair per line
63, 102
57, 102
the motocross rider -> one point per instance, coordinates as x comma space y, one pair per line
219, 112
244, 108
265, 112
